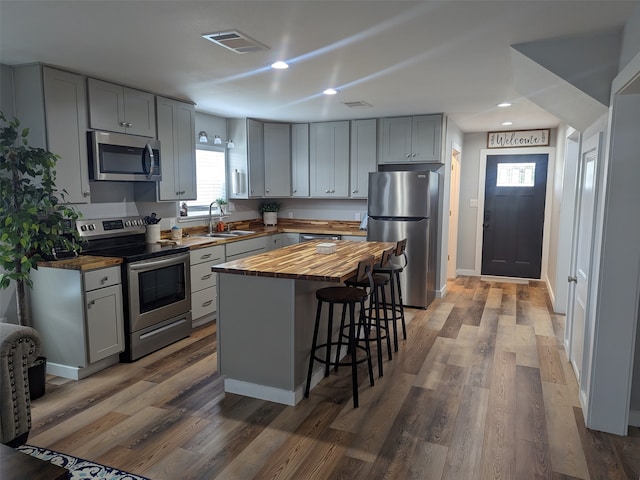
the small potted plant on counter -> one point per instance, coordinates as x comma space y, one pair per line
269, 211
221, 203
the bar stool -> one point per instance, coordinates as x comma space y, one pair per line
347, 297
377, 301
394, 268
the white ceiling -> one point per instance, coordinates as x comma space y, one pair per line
401, 57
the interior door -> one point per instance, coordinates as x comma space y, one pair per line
513, 226
582, 244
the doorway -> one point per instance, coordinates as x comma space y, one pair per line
513, 218
454, 203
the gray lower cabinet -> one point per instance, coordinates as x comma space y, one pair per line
275, 241
354, 238
80, 318
245, 248
52, 104
290, 239
203, 283
176, 132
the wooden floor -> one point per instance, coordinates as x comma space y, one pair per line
481, 389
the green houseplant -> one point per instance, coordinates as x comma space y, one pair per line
32, 217
269, 211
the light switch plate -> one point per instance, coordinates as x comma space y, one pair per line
473, 203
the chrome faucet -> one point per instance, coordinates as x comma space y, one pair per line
211, 217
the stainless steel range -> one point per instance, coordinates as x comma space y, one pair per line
156, 282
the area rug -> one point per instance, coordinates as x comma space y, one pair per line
80, 469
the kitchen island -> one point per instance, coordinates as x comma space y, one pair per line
266, 312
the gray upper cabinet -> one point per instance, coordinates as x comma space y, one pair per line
247, 158
363, 156
329, 159
176, 132
116, 108
300, 160
52, 104
411, 139
277, 160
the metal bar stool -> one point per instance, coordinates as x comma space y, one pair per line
394, 268
347, 297
377, 302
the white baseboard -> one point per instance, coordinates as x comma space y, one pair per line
493, 278
442, 292
634, 418
466, 273
78, 373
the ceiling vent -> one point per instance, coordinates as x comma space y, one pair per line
358, 104
235, 41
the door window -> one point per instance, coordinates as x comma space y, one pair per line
516, 174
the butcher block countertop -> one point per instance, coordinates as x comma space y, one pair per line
302, 262
82, 263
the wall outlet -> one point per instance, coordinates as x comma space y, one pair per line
290, 214
473, 203
358, 216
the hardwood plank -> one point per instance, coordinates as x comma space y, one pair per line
532, 452
293, 453
465, 451
550, 364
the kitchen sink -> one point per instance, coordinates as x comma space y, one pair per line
229, 234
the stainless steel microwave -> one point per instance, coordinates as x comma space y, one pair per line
124, 158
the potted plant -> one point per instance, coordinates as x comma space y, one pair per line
32, 219
221, 203
269, 211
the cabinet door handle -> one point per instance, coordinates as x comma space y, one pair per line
267, 190
354, 191
91, 303
413, 154
86, 193
129, 125
206, 255
327, 191
207, 303
205, 277
104, 279
408, 155
123, 124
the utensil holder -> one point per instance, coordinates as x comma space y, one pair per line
152, 234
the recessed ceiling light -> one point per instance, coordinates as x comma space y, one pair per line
504, 104
330, 91
507, 123
279, 65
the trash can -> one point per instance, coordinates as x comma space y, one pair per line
37, 377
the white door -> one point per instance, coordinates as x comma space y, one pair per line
582, 244
454, 198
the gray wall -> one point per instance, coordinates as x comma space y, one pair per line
630, 38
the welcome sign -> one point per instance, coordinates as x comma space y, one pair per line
518, 138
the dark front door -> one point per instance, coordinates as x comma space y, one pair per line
515, 189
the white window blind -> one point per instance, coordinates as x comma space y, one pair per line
210, 180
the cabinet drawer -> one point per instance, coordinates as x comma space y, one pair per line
203, 302
101, 278
211, 255
251, 245
202, 276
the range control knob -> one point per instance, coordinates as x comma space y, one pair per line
91, 227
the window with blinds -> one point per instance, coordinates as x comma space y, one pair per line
210, 181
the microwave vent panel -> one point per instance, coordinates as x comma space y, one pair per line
235, 41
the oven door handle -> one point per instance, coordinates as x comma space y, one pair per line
157, 263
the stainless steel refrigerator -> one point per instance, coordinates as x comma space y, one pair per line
405, 205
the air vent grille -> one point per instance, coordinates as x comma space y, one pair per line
235, 41
358, 104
